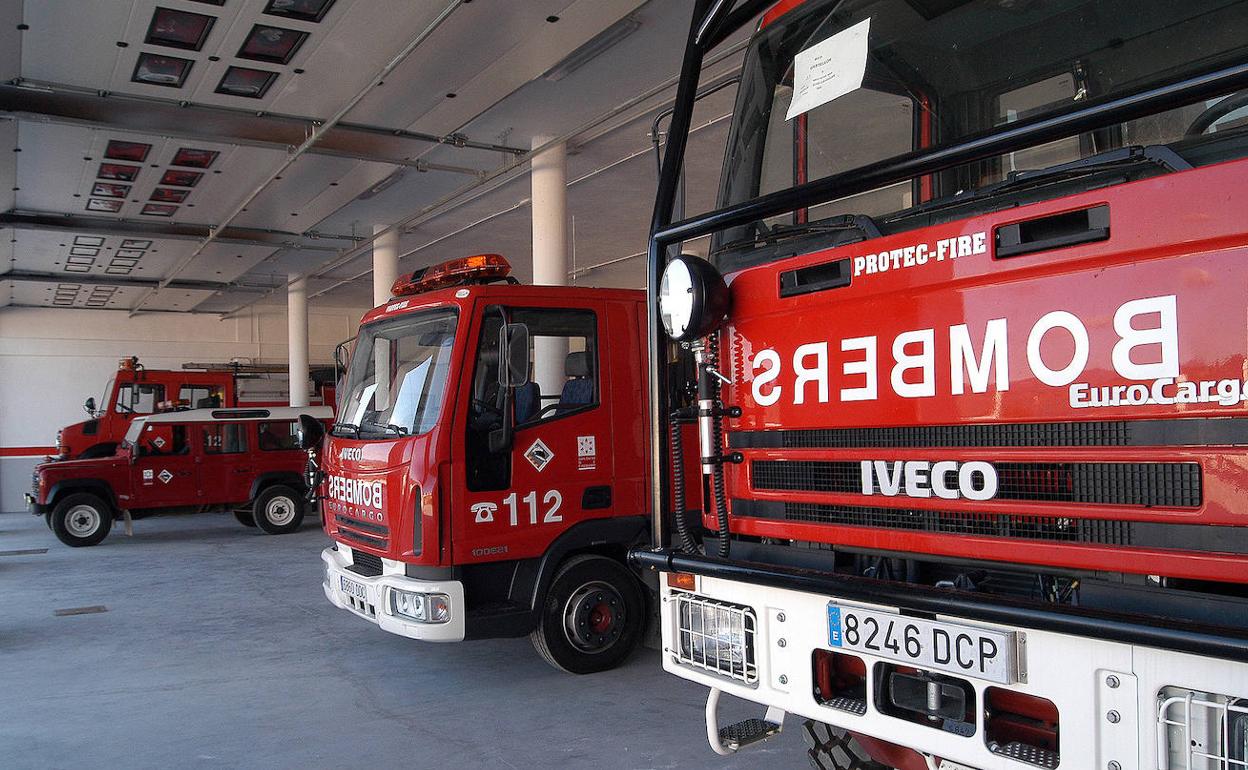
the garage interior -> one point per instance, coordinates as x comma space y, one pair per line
208, 180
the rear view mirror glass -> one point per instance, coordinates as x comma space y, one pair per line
309, 433
513, 343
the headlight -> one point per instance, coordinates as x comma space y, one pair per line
693, 299
716, 636
422, 608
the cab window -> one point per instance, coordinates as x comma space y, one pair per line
275, 436
139, 398
225, 438
201, 396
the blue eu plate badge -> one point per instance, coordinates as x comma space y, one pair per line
834, 625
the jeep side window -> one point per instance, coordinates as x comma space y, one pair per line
225, 438
163, 440
139, 398
275, 436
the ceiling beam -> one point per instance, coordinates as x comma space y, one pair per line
125, 282
176, 231
160, 117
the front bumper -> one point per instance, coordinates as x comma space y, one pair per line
34, 505
1111, 696
376, 608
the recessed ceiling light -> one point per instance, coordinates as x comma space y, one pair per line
181, 178
552, 19
179, 29
169, 195
134, 244
193, 158
157, 70
131, 151
304, 10
275, 45
244, 81
110, 190
118, 171
159, 210
111, 206
88, 240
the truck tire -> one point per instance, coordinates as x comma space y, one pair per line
99, 450
831, 748
245, 517
591, 617
278, 510
81, 519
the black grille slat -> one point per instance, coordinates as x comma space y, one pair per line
1010, 526
1170, 485
364, 526
365, 564
1202, 431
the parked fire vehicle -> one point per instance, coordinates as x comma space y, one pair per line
240, 460
972, 386
136, 390
486, 475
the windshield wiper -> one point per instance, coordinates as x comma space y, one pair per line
345, 426
860, 222
1154, 155
398, 430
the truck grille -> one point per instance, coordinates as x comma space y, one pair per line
365, 564
354, 530
1168, 485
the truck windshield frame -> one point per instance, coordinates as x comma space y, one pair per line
933, 80
418, 351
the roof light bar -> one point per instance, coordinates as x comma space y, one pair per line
479, 268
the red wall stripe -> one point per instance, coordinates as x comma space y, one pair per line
26, 451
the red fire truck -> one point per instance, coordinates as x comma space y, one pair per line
973, 352
471, 495
240, 460
136, 390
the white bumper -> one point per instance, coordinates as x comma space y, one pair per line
376, 608
1106, 693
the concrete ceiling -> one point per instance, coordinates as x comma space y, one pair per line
436, 143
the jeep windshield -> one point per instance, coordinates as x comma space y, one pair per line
396, 382
937, 72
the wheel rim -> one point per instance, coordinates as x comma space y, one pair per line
594, 617
82, 521
280, 511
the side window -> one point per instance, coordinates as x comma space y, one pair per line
163, 440
201, 396
139, 398
225, 438
564, 355
275, 436
486, 470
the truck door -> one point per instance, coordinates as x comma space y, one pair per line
558, 469
225, 469
166, 472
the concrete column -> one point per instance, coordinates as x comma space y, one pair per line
385, 263
549, 179
297, 319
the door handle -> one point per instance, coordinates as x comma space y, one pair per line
242, 470
1053, 232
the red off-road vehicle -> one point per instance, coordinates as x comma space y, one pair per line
240, 460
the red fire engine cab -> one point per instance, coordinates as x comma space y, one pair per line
487, 474
973, 394
241, 460
135, 391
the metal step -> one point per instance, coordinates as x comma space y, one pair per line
745, 732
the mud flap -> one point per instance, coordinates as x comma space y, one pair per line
125, 513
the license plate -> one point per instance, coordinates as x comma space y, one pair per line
352, 588
926, 644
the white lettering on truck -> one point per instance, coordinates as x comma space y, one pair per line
1147, 348
921, 253
976, 480
357, 492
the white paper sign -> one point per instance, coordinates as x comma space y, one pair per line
830, 69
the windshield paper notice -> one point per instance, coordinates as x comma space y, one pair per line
830, 69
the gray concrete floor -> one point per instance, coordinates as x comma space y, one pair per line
218, 649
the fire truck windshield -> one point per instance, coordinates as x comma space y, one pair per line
839, 85
396, 382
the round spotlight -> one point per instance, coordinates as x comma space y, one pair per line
693, 298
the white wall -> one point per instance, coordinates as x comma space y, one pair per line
51, 360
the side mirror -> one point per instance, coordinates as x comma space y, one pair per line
90, 405
513, 348
310, 433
